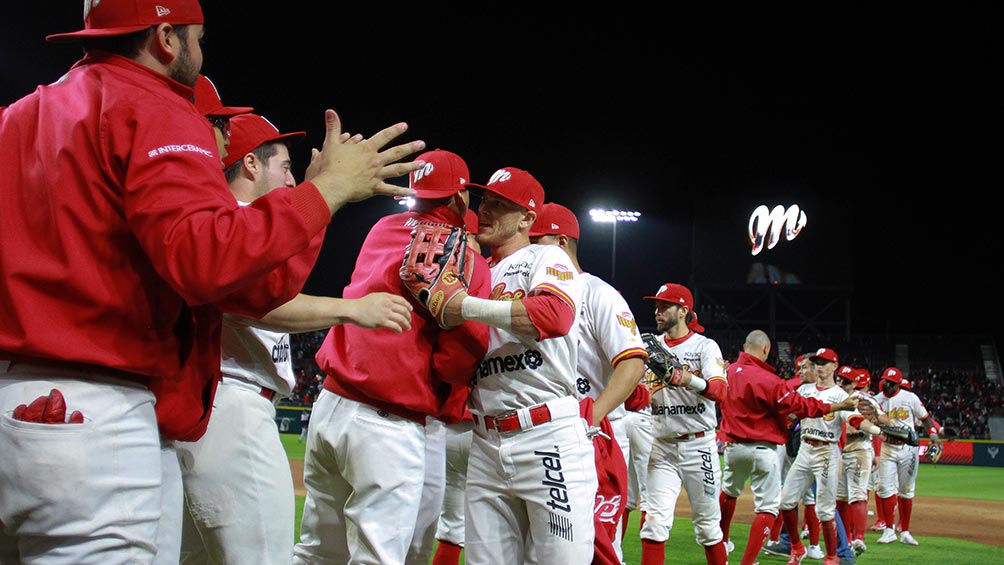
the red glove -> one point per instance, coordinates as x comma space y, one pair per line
639, 399
48, 410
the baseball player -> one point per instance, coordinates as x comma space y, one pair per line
365, 468
754, 421
611, 365
855, 466
684, 419
898, 464
818, 458
237, 482
531, 476
136, 247
449, 530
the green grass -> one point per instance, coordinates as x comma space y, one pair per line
952, 481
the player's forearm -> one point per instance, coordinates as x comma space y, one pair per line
306, 313
508, 315
621, 385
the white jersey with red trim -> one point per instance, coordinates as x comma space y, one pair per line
904, 407
607, 333
520, 372
677, 410
827, 427
258, 356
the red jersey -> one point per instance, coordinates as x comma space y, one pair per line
412, 374
122, 241
758, 403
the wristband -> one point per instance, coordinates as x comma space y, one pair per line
697, 384
496, 313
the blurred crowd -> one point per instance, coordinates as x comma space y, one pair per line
963, 399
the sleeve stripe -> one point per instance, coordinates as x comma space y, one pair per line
555, 291
629, 353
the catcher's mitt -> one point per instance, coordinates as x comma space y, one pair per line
663, 364
934, 450
897, 432
436, 266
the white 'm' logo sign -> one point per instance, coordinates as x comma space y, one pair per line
767, 225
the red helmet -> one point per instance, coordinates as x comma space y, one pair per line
862, 379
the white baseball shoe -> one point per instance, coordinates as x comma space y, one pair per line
815, 552
888, 536
859, 547
729, 546
905, 537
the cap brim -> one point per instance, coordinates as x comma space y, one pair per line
433, 193
229, 111
85, 33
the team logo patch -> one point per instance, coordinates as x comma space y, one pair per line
627, 320
560, 272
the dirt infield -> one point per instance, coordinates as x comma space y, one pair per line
978, 521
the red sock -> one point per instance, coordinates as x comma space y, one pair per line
859, 517
813, 522
716, 554
842, 510
728, 506
879, 509
653, 552
759, 532
905, 510
829, 528
889, 505
446, 554
791, 526
775, 528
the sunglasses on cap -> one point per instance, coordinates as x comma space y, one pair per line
221, 123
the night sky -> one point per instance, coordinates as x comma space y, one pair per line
877, 121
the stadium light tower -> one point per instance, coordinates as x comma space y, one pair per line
613, 217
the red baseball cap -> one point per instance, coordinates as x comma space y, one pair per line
444, 174
675, 293
892, 374
825, 353
555, 219
905, 384
846, 372
515, 185
107, 18
862, 379
207, 100
248, 131
799, 359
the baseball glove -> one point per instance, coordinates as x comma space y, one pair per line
664, 365
904, 434
934, 450
436, 266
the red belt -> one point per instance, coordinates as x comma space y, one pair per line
815, 442
267, 393
509, 422
685, 437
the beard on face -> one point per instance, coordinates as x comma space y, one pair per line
889, 387
184, 69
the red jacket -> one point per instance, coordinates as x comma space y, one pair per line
122, 241
413, 374
758, 403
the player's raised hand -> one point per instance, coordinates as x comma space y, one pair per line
350, 168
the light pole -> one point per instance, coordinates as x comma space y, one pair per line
613, 217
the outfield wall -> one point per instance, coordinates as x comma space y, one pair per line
982, 453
